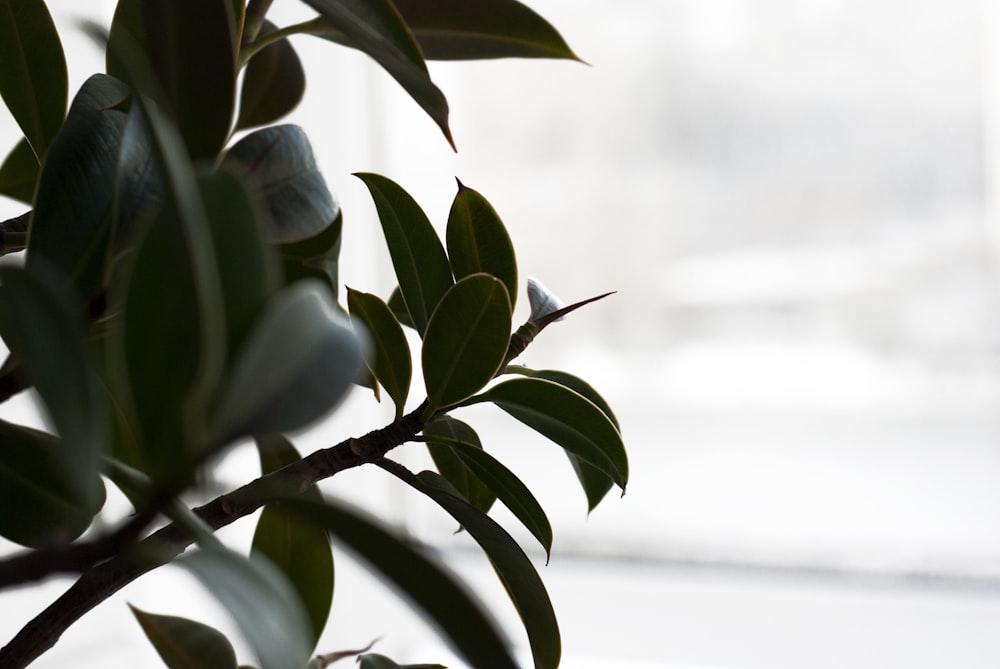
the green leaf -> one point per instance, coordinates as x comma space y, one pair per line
468, 626
299, 360
473, 29
478, 241
278, 163
73, 208
389, 359
504, 483
376, 661
317, 257
273, 84
567, 418
439, 435
376, 28
299, 549
190, 46
186, 644
19, 173
33, 80
43, 500
260, 600
398, 307
418, 256
139, 183
466, 340
515, 570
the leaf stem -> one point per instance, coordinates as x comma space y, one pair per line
250, 49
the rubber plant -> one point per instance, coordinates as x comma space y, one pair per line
173, 291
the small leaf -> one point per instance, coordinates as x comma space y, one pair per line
273, 84
278, 163
472, 29
299, 360
260, 600
565, 417
19, 173
398, 307
466, 340
438, 436
186, 644
317, 257
467, 625
299, 549
33, 80
515, 570
418, 256
389, 359
478, 241
376, 661
376, 28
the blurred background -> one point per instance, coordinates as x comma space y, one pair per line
798, 206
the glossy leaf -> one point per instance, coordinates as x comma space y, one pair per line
73, 208
273, 83
299, 549
439, 435
191, 52
42, 324
567, 418
19, 173
260, 600
139, 182
33, 80
478, 241
186, 644
376, 661
473, 29
468, 627
398, 307
376, 28
389, 358
466, 340
418, 256
278, 163
515, 570
299, 360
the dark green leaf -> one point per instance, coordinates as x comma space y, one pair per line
260, 600
317, 257
469, 628
19, 173
376, 661
471, 29
389, 359
565, 417
398, 307
515, 570
376, 28
439, 435
466, 340
299, 549
418, 256
300, 359
186, 644
139, 187
478, 241
278, 163
33, 79
273, 84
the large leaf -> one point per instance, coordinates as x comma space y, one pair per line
33, 79
439, 435
300, 359
72, 216
478, 241
515, 570
19, 173
472, 29
186, 644
466, 340
299, 549
565, 417
278, 163
273, 83
376, 661
260, 600
376, 28
191, 49
389, 359
418, 256
467, 625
